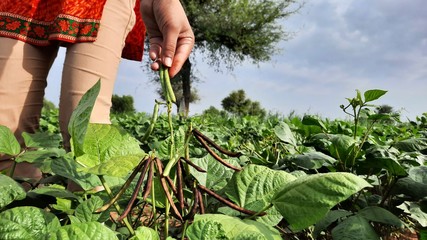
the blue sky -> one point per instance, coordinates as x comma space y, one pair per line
338, 46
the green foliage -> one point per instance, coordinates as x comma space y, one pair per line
319, 193
253, 188
311, 178
48, 105
218, 226
122, 104
27, 223
237, 103
216, 176
49, 120
10, 190
108, 150
8, 143
84, 231
80, 119
236, 30
214, 111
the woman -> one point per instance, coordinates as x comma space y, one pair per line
96, 33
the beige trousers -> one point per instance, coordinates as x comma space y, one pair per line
24, 69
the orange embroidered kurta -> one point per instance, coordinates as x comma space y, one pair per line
42, 22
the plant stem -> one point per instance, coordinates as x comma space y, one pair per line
262, 211
362, 142
172, 160
390, 185
12, 170
153, 199
184, 229
167, 209
116, 205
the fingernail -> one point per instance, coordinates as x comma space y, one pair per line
168, 61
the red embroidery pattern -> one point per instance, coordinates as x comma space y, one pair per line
64, 28
39, 22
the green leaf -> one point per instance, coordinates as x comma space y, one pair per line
55, 191
358, 97
41, 140
418, 174
311, 160
109, 150
423, 204
381, 215
373, 94
307, 200
27, 223
64, 205
314, 121
254, 187
206, 230
80, 118
117, 166
355, 228
226, 227
159, 193
330, 218
389, 164
84, 231
145, 233
410, 187
415, 211
342, 147
8, 143
85, 211
216, 176
38, 156
423, 234
42, 158
412, 145
284, 133
67, 167
383, 157
163, 148
10, 191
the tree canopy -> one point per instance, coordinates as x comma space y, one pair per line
228, 32
122, 104
238, 104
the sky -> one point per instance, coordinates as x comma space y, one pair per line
338, 46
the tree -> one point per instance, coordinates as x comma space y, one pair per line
123, 104
238, 104
231, 31
385, 109
48, 105
214, 111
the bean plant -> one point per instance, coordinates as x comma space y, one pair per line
211, 177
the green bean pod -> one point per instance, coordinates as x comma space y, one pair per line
152, 122
163, 83
169, 89
169, 166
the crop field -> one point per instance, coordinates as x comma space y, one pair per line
221, 176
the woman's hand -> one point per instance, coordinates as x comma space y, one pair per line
170, 34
